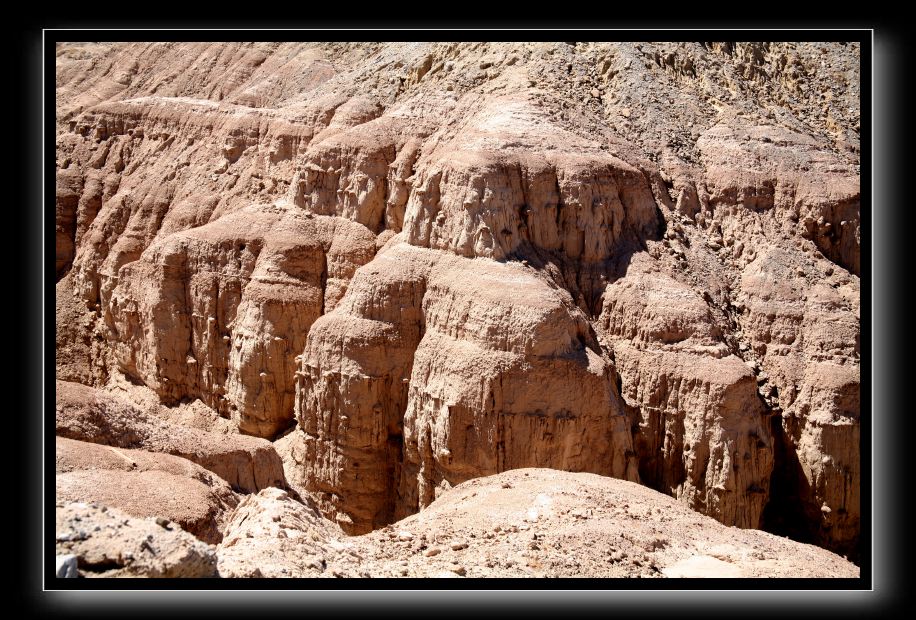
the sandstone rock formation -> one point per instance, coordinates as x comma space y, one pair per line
271, 535
262, 275
144, 484
521, 523
87, 414
429, 262
455, 374
703, 433
108, 543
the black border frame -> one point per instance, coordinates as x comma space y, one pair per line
889, 69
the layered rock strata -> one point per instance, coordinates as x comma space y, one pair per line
636, 260
220, 312
144, 484
248, 464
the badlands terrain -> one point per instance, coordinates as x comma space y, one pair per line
458, 309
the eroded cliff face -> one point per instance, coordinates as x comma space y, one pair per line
436, 369
434, 262
219, 312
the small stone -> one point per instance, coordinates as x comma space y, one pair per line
162, 522
66, 566
458, 546
432, 551
460, 570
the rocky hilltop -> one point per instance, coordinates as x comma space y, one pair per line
520, 523
367, 273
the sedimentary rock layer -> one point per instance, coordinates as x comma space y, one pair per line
145, 484
435, 261
87, 414
521, 523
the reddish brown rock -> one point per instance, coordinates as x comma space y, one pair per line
456, 377
220, 312
637, 260
764, 168
703, 434
87, 414
802, 321
144, 484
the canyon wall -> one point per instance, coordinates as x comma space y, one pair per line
415, 264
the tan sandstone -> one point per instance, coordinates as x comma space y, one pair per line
108, 543
144, 484
423, 263
87, 414
521, 523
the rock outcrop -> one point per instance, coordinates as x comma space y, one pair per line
145, 484
86, 414
423, 263
456, 370
271, 535
801, 317
702, 434
220, 312
108, 543
521, 523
